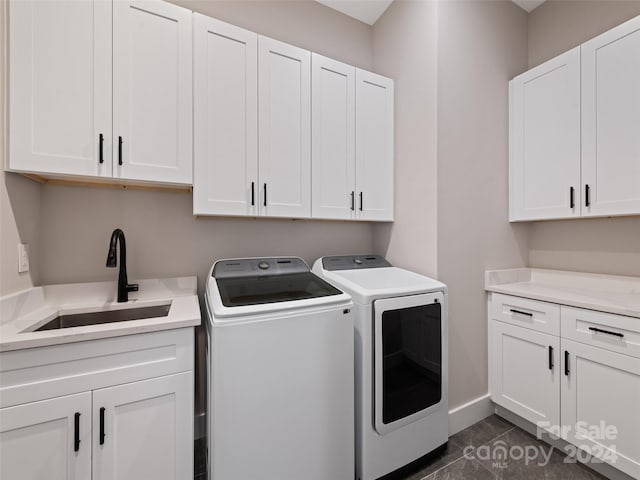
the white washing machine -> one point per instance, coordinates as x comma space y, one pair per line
400, 360
280, 371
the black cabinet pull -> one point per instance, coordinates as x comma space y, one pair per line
566, 363
608, 332
360, 201
76, 432
572, 196
353, 200
520, 312
102, 434
550, 357
265, 195
587, 195
253, 193
119, 150
101, 148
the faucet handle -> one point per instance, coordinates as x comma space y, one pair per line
132, 287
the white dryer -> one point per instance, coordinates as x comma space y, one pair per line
280, 372
400, 360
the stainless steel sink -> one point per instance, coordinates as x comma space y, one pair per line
97, 318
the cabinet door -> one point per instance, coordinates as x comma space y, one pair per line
525, 373
152, 91
333, 139
60, 96
38, 440
611, 122
284, 96
225, 177
544, 140
600, 398
148, 430
374, 146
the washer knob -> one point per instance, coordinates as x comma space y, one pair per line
357, 261
263, 265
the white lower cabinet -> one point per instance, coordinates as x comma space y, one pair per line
144, 430
38, 440
128, 415
587, 391
600, 400
525, 372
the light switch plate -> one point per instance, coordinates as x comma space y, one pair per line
23, 257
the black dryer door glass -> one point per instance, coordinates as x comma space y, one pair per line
412, 360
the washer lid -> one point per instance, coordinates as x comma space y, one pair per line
368, 284
242, 291
252, 286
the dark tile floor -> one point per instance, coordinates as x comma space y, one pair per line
494, 449
474, 454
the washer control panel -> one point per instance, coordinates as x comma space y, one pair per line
257, 267
354, 262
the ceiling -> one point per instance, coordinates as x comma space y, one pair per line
528, 5
368, 11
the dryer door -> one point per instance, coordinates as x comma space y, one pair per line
407, 358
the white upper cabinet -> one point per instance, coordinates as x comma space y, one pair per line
574, 142
333, 139
66, 115
60, 87
47, 439
544, 164
152, 91
225, 178
284, 129
611, 122
374, 146
352, 142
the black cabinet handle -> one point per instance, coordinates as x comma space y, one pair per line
587, 195
572, 197
76, 432
566, 363
101, 148
353, 200
608, 332
119, 150
520, 312
253, 193
265, 195
102, 434
550, 357
360, 201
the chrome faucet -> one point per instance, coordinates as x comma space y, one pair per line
123, 286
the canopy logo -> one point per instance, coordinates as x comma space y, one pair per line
590, 443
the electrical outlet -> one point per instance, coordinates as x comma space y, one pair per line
23, 257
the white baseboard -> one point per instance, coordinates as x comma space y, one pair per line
472, 412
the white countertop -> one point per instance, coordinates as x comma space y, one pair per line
25, 311
605, 293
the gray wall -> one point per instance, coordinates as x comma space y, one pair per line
481, 46
451, 62
608, 245
405, 49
